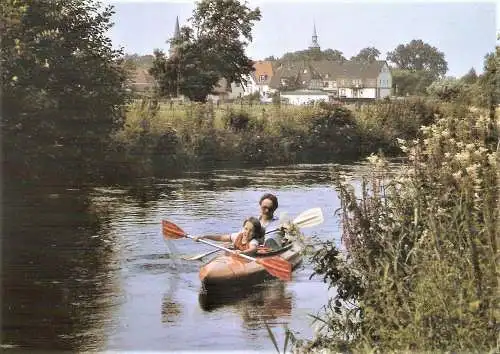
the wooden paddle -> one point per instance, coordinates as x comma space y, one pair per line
308, 218
276, 266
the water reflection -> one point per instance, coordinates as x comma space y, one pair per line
268, 301
171, 308
58, 281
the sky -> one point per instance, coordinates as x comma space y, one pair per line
464, 31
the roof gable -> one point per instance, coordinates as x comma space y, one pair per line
264, 69
301, 71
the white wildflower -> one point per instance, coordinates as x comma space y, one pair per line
493, 159
425, 129
445, 134
457, 175
472, 170
463, 156
470, 147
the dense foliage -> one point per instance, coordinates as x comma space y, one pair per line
419, 56
472, 89
367, 55
420, 271
311, 54
232, 135
62, 85
211, 49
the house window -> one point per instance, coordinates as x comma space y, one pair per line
326, 76
263, 77
325, 84
334, 83
360, 93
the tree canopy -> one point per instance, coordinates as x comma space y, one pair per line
62, 82
213, 47
419, 56
367, 55
308, 54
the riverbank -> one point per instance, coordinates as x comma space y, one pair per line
426, 244
160, 137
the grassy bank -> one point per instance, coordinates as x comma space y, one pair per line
158, 136
421, 272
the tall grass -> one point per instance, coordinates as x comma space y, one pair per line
206, 135
421, 268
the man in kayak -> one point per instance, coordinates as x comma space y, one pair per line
268, 204
246, 241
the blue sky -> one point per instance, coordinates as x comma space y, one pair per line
464, 31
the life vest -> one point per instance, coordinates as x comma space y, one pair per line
238, 243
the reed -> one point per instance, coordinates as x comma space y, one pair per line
160, 134
421, 268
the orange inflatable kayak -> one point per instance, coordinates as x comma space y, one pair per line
227, 269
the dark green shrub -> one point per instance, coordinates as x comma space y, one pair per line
236, 121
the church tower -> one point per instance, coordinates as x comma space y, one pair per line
177, 34
314, 43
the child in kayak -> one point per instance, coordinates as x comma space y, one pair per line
245, 241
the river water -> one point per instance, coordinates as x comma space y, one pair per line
86, 267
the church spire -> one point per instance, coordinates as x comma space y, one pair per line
314, 44
177, 35
177, 30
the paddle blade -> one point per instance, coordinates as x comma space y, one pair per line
171, 231
309, 218
277, 266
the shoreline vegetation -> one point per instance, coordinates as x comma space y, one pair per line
418, 267
159, 137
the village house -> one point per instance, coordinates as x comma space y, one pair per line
339, 80
260, 80
300, 82
321, 80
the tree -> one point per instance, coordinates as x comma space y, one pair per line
334, 55
419, 56
308, 55
211, 49
446, 89
470, 77
406, 82
367, 55
489, 82
62, 83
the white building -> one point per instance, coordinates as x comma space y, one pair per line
300, 97
346, 80
260, 80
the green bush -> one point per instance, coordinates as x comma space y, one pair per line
230, 135
237, 121
420, 272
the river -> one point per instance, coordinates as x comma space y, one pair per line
86, 267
